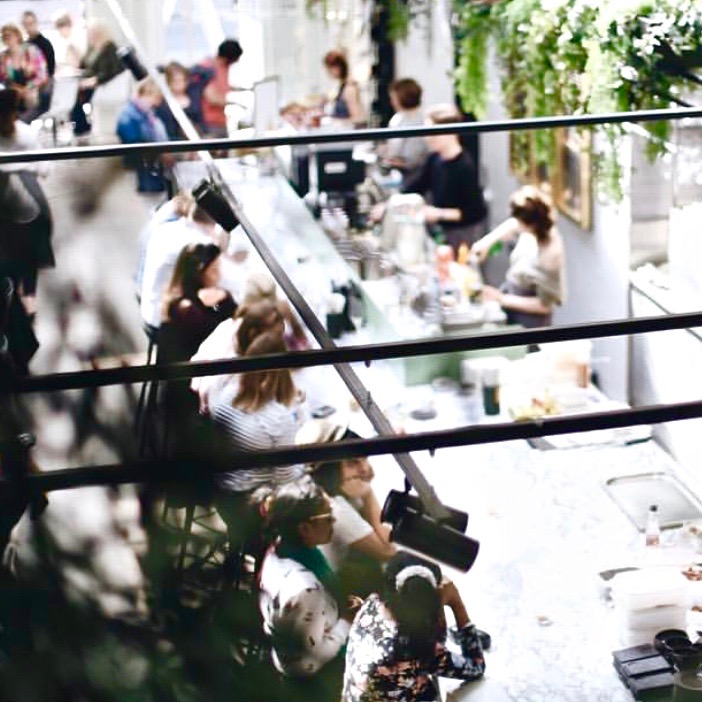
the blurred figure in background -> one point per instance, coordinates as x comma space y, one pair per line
99, 65
178, 80
23, 68
30, 23
346, 104
25, 241
138, 123
68, 52
214, 95
406, 99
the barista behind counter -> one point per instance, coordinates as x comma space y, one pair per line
535, 280
449, 180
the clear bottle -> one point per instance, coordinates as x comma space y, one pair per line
653, 527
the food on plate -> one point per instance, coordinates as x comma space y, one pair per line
539, 406
693, 572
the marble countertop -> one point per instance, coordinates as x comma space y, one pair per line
547, 528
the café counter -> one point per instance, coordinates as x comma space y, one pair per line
547, 524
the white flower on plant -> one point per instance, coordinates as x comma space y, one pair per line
629, 73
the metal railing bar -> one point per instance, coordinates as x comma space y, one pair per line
368, 353
203, 145
173, 471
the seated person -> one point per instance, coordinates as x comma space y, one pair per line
178, 207
409, 153
194, 304
178, 81
448, 179
535, 280
397, 640
260, 411
30, 23
231, 339
138, 123
360, 542
165, 242
299, 600
261, 286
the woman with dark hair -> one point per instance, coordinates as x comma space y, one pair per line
535, 280
360, 542
194, 304
397, 642
347, 101
299, 598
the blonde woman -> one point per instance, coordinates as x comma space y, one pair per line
99, 65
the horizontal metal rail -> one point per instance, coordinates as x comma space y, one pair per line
175, 471
320, 137
350, 354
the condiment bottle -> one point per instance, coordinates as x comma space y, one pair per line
463, 252
653, 527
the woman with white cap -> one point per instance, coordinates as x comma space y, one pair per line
360, 542
398, 643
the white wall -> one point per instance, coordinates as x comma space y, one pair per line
597, 261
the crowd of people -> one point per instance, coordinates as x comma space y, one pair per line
330, 580
346, 615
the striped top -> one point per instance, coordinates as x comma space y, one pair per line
273, 425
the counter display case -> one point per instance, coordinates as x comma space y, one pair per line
316, 266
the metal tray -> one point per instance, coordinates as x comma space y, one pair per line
635, 493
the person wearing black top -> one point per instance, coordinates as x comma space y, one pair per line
34, 36
100, 65
449, 180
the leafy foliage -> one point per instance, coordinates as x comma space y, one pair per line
579, 56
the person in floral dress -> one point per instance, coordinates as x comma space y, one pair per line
398, 642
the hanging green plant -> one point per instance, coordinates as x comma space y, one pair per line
580, 56
473, 24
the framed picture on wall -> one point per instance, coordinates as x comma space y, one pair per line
572, 177
568, 180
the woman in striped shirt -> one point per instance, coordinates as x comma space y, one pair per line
261, 412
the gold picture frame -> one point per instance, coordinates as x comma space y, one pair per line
569, 181
572, 177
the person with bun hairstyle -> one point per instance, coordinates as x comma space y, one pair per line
299, 592
535, 280
398, 640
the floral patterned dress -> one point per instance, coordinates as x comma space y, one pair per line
376, 670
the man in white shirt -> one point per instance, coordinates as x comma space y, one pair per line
166, 241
